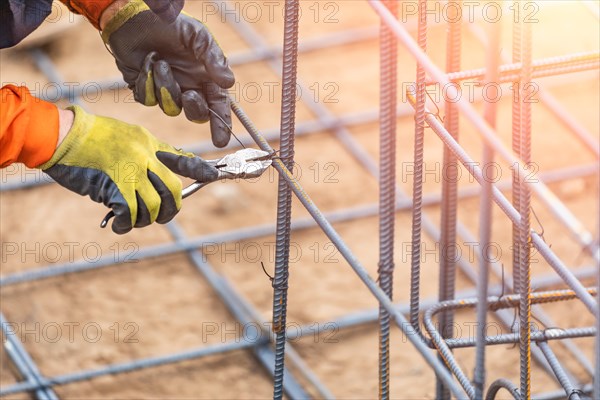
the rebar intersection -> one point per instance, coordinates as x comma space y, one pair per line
425, 119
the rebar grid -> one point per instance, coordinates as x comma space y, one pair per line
423, 119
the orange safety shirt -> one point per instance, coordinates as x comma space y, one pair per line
28, 125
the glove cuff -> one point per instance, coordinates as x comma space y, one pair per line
128, 11
82, 123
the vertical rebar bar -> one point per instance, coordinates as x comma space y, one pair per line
417, 198
516, 138
485, 224
524, 209
284, 198
448, 251
387, 189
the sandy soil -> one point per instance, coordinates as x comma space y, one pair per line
162, 305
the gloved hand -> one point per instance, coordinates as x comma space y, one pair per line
177, 65
124, 167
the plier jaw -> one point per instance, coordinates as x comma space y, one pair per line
243, 164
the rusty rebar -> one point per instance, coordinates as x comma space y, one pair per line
284, 194
387, 190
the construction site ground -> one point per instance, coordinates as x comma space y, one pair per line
154, 307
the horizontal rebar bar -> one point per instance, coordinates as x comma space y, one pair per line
586, 390
370, 316
221, 348
238, 308
550, 66
508, 301
550, 102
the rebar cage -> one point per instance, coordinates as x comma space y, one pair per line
515, 301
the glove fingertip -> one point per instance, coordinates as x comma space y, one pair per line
221, 139
222, 75
195, 107
168, 91
119, 230
209, 173
189, 166
226, 81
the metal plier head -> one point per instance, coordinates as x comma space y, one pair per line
243, 164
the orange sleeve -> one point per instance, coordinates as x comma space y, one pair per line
28, 127
91, 9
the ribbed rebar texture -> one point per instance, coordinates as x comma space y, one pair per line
284, 199
387, 190
502, 384
524, 245
417, 197
485, 221
448, 250
516, 141
504, 204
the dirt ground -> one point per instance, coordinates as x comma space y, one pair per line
162, 305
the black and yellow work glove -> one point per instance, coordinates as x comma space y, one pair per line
176, 65
126, 168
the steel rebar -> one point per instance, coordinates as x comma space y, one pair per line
25, 366
574, 226
241, 311
524, 227
550, 66
358, 268
549, 101
502, 384
485, 217
238, 344
387, 190
510, 211
284, 194
449, 205
417, 192
570, 391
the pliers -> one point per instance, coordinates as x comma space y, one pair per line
243, 164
